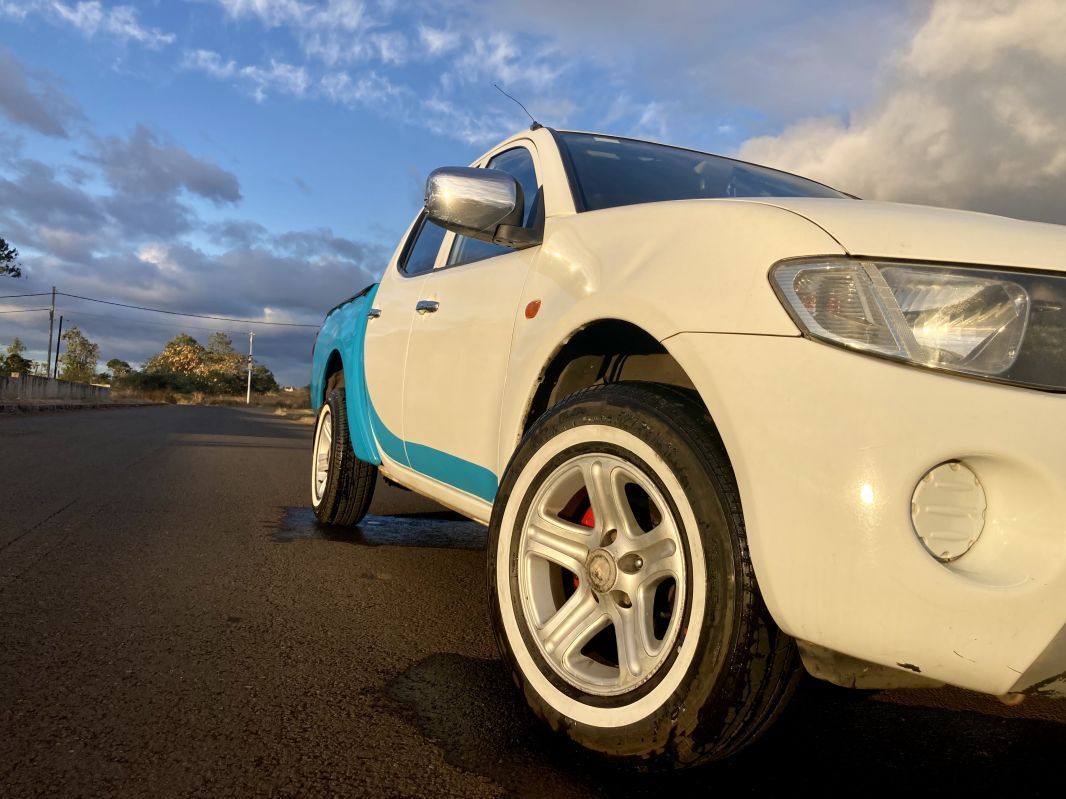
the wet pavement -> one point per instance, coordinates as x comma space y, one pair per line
174, 623
444, 530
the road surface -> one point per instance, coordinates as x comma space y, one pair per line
173, 624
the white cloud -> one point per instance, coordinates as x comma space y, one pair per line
349, 15
446, 118
970, 115
333, 32
17, 10
499, 58
270, 12
437, 41
92, 18
652, 123
210, 63
260, 81
392, 47
368, 89
278, 76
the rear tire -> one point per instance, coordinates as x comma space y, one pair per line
342, 486
569, 594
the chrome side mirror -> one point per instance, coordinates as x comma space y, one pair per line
474, 202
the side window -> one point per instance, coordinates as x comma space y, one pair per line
519, 163
422, 251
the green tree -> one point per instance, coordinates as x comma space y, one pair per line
220, 345
13, 362
263, 380
9, 264
78, 363
119, 369
225, 366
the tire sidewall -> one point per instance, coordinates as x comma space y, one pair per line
333, 407
639, 721
317, 501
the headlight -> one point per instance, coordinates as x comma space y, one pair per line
991, 323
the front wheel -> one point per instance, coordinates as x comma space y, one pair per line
341, 484
620, 586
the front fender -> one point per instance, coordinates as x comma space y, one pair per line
342, 336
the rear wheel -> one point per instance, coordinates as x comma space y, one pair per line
341, 484
621, 589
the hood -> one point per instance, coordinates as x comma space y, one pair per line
923, 233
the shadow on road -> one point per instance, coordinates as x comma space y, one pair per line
829, 738
408, 530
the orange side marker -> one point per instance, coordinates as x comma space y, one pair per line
532, 309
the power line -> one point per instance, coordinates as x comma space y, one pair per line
179, 313
27, 310
134, 321
16, 296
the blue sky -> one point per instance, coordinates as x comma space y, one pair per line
260, 158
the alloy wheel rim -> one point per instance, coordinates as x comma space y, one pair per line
323, 447
601, 574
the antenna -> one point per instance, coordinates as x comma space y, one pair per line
535, 124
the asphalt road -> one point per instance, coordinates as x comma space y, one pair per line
173, 624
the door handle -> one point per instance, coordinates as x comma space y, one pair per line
373, 313
427, 306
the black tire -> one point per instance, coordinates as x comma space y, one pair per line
742, 669
350, 482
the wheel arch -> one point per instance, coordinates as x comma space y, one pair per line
332, 374
605, 350
611, 350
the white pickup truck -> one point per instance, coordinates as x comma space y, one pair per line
721, 421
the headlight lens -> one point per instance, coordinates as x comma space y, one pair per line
997, 324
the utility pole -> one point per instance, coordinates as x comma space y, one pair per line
251, 337
51, 319
55, 369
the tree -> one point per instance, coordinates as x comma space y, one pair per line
225, 366
119, 369
220, 345
14, 363
9, 264
78, 363
263, 380
182, 355
185, 366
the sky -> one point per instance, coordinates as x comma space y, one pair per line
259, 159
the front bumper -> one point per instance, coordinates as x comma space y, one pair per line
827, 447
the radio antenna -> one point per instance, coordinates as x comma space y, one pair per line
535, 124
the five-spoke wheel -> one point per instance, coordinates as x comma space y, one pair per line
620, 586
601, 573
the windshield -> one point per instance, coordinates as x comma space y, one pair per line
609, 172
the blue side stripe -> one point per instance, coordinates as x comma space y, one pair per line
441, 466
390, 443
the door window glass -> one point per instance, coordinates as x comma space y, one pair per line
422, 251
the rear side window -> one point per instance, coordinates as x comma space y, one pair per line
518, 163
422, 251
